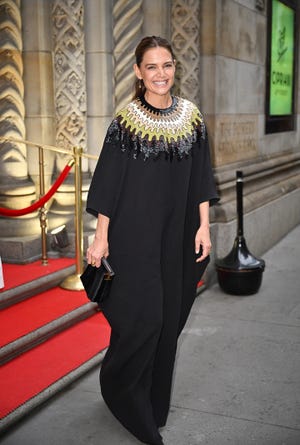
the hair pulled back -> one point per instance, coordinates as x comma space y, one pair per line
145, 44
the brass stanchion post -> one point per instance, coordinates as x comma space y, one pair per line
43, 210
73, 282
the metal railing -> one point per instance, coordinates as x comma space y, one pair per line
72, 282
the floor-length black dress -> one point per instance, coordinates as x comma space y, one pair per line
153, 172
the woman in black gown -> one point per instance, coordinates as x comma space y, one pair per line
150, 193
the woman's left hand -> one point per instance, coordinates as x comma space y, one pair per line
202, 239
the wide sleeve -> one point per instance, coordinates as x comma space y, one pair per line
202, 188
108, 177
203, 182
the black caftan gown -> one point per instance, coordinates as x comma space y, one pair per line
153, 172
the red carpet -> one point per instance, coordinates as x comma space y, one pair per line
32, 372
28, 315
35, 370
200, 283
17, 274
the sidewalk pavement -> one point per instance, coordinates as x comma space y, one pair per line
237, 378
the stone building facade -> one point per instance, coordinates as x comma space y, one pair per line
66, 67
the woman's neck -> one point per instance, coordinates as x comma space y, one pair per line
157, 101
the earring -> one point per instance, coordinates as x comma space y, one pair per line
140, 83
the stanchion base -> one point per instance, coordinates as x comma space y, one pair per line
73, 282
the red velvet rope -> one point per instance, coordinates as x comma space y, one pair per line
36, 205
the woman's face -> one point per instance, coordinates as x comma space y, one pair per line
157, 71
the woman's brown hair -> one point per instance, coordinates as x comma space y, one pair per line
145, 44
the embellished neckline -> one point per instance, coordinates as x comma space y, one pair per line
143, 129
162, 111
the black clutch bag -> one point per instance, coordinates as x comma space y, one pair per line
97, 281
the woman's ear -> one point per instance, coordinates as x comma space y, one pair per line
137, 71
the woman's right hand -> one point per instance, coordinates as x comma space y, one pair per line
96, 251
99, 246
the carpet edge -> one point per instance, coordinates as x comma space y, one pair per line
21, 292
41, 334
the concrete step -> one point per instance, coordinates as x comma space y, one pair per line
27, 290
40, 335
33, 403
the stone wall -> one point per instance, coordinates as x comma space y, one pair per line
233, 72
221, 51
232, 98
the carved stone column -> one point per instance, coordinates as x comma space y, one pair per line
69, 69
16, 190
185, 40
70, 94
128, 21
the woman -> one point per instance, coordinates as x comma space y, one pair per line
150, 192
